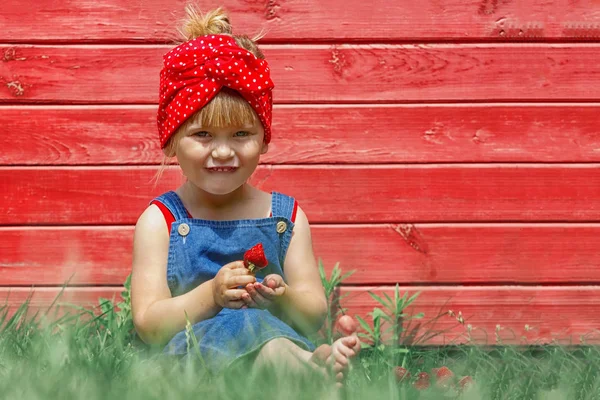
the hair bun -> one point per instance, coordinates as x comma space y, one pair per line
196, 24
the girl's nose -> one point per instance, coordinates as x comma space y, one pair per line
222, 151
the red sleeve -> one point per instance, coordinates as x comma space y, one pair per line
169, 218
294, 212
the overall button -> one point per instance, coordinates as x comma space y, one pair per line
281, 227
183, 229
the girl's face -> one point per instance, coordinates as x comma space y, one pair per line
220, 160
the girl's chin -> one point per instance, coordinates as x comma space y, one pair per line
218, 190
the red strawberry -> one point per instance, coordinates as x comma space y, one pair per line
422, 381
465, 383
254, 259
345, 326
402, 374
443, 377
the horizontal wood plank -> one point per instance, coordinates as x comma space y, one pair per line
370, 134
379, 254
562, 314
54, 301
328, 194
506, 314
126, 21
44, 256
317, 73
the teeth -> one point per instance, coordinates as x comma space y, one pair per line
222, 169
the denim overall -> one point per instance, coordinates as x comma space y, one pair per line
198, 249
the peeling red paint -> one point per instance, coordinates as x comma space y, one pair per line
9, 54
488, 7
271, 10
412, 236
16, 88
337, 60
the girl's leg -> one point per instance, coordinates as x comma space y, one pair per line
282, 352
283, 355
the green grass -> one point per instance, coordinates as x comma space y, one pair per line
95, 355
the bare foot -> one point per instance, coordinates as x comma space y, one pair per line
321, 355
342, 351
338, 355
345, 327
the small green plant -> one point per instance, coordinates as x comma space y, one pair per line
394, 313
373, 335
331, 285
73, 357
116, 317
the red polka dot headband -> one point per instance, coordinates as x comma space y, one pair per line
195, 71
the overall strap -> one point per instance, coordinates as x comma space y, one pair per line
171, 207
284, 206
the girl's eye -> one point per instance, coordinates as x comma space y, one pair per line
241, 134
201, 134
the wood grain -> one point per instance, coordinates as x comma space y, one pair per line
561, 314
379, 254
313, 134
317, 73
328, 194
153, 21
516, 314
451, 146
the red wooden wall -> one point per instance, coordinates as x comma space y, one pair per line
451, 146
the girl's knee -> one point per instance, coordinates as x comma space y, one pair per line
274, 349
276, 346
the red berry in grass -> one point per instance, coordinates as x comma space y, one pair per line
254, 259
444, 377
465, 383
402, 374
422, 381
345, 326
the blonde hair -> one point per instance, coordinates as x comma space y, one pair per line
228, 107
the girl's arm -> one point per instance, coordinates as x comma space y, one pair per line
157, 316
304, 298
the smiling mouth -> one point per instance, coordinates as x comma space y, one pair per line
222, 169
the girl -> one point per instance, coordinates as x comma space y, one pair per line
214, 116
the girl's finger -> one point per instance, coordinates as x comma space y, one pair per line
240, 280
250, 303
235, 265
258, 298
250, 289
240, 271
270, 283
234, 294
265, 291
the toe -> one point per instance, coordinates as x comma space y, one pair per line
346, 351
350, 341
321, 354
341, 359
339, 368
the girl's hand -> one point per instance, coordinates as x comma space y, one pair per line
264, 295
228, 285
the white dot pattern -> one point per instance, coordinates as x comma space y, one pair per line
193, 66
